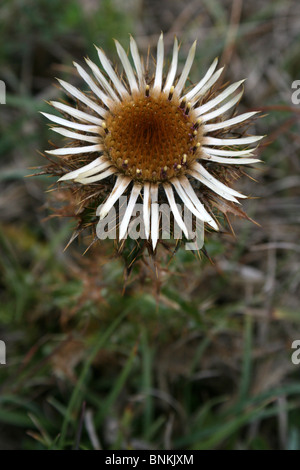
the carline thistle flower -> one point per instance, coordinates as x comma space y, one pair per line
153, 140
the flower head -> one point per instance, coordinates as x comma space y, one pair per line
153, 139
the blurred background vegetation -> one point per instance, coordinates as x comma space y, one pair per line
197, 354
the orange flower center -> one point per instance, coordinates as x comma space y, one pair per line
151, 138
